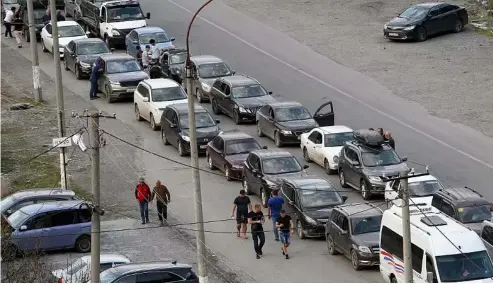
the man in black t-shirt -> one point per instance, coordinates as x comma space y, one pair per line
256, 219
285, 225
242, 206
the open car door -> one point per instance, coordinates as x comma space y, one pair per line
324, 115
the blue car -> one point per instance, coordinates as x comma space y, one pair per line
142, 36
50, 226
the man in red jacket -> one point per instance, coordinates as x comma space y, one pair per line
143, 196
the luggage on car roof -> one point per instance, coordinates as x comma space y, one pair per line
368, 137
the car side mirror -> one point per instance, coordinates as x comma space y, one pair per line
23, 228
88, 33
270, 93
218, 121
148, 15
8, 212
306, 167
233, 72
404, 159
172, 125
172, 39
429, 277
146, 100
344, 198
112, 49
265, 147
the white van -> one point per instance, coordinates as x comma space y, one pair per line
443, 250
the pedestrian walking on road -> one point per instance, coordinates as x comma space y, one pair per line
18, 24
275, 205
97, 69
8, 20
285, 225
242, 206
389, 140
163, 197
143, 196
256, 220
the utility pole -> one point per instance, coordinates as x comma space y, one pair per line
38, 95
59, 91
406, 229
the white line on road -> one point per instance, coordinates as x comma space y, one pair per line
332, 87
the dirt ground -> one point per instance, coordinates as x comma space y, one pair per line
449, 75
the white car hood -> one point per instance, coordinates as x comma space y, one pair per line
63, 41
162, 105
125, 25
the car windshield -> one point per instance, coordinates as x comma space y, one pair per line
292, 113
92, 48
18, 218
244, 146
213, 70
319, 195
337, 139
122, 66
364, 225
7, 202
474, 214
424, 188
124, 13
281, 165
202, 120
70, 31
168, 94
158, 37
75, 266
107, 276
249, 91
9, 1
414, 12
179, 58
380, 158
464, 266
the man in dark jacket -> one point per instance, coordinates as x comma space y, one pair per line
47, 16
97, 69
163, 197
143, 196
59, 16
389, 140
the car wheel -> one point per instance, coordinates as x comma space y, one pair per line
355, 260
200, 97
43, 46
83, 244
277, 139
342, 178
422, 34
65, 65
154, 126
365, 192
215, 107
331, 248
458, 26
263, 197
300, 230
227, 173
259, 131
236, 117
181, 149
137, 114
246, 187
305, 155
164, 138
327, 167
108, 94
77, 72
210, 163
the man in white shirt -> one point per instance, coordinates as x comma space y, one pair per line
155, 50
9, 18
145, 57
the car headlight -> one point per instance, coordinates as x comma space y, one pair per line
206, 87
375, 179
271, 184
310, 220
364, 249
385, 26
286, 132
85, 65
244, 110
115, 33
114, 83
409, 28
185, 138
336, 159
237, 166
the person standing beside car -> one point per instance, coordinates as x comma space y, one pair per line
97, 69
389, 140
7, 21
275, 205
18, 24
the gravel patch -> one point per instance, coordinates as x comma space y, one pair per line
450, 75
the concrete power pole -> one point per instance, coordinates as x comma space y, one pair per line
94, 141
38, 95
199, 218
406, 229
59, 91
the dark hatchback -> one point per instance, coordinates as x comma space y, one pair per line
80, 55
150, 272
284, 122
175, 128
310, 200
420, 21
173, 63
228, 152
239, 97
264, 171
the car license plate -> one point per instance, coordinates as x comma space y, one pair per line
130, 90
203, 146
393, 34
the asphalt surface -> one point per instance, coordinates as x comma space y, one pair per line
456, 154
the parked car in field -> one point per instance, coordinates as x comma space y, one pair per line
67, 31
17, 200
120, 77
284, 122
239, 97
80, 55
323, 145
152, 96
421, 21
51, 226
228, 152
79, 271
142, 37
150, 272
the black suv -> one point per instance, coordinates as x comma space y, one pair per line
175, 129
264, 171
464, 205
239, 97
354, 230
363, 161
310, 201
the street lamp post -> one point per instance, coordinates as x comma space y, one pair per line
199, 217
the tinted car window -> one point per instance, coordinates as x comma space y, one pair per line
474, 214
248, 91
202, 120
70, 31
158, 37
281, 165
364, 225
151, 277
337, 139
318, 197
315, 137
292, 113
379, 158
241, 146
414, 12
92, 48
487, 234
63, 218
213, 70
168, 94
122, 66
424, 188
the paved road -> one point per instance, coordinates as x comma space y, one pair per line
297, 73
